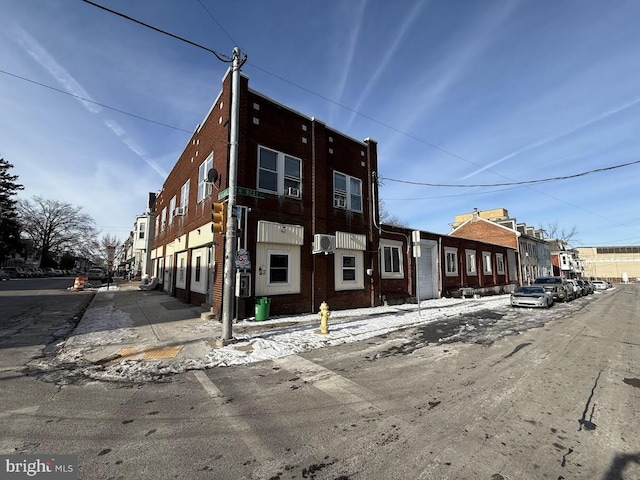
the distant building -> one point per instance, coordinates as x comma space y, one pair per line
615, 264
530, 254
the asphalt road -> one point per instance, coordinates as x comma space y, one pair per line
560, 402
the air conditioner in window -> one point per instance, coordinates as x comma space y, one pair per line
340, 202
178, 212
293, 192
324, 243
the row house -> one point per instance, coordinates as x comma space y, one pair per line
530, 256
304, 211
566, 261
427, 265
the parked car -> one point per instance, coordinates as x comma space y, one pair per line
95, 273
587, 288
577, 289
600, 284
558, 287
4, 275
14, 272
531, 296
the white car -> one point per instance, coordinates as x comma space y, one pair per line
577, 289
95, 273
531, 296
600, 284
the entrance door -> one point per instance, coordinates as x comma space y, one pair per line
168, 275
210, 271
428, 270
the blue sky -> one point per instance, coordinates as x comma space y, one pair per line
461, 92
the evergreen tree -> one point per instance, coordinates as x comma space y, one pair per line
9, 225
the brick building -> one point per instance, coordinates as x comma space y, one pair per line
305, 216
447, 266
531, 254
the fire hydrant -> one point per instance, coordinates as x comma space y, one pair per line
324, 318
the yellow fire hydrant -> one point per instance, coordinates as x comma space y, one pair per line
324, 318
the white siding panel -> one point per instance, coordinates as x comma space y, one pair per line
281, 233
351, 241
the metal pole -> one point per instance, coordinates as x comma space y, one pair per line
230, 237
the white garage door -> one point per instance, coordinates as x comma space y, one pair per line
427, 271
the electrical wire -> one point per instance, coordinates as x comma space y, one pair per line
219, 56
94, 102
506, 184
217, 22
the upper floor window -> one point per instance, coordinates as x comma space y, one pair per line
204, 189
184, 196
141, 228
279, 173
347, 192
172, 209
163, 219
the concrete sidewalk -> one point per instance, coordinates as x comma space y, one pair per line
125, 323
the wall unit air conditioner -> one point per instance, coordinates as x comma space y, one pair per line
324, 243
340, 202
292, 192
180, 211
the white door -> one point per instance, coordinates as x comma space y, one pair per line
427, 270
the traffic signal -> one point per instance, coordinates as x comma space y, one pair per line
218, 224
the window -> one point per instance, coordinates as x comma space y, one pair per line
348, 268
278, 172
181, 270
486, 263
198, 267
392, 260
278, 268
141, 227
184, 196
347, 192
471, 262
204, 189
172, 209
451, 262
157, 227
500, 263
163, 220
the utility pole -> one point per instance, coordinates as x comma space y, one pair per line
228, 285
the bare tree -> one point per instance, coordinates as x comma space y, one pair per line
108, 242
55, 227
387, 218
554, 231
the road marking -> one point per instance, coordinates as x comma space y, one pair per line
343, 390
236, 421
20, 411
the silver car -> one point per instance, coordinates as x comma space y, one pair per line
531, 296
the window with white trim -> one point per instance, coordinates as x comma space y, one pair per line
347, 192
141, 230
157, 227
348, 268
451, 261
279, 173
500, 263
471, 262
172, 209
487, 267
184, 196
392, 260
278, 268
163, 219
204, 188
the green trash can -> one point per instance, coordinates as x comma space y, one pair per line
263, 305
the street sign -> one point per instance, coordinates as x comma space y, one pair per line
245, 192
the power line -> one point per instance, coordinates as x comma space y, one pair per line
525, 182
94, 102
217, 22
219, 56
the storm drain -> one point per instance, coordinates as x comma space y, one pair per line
149, 353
